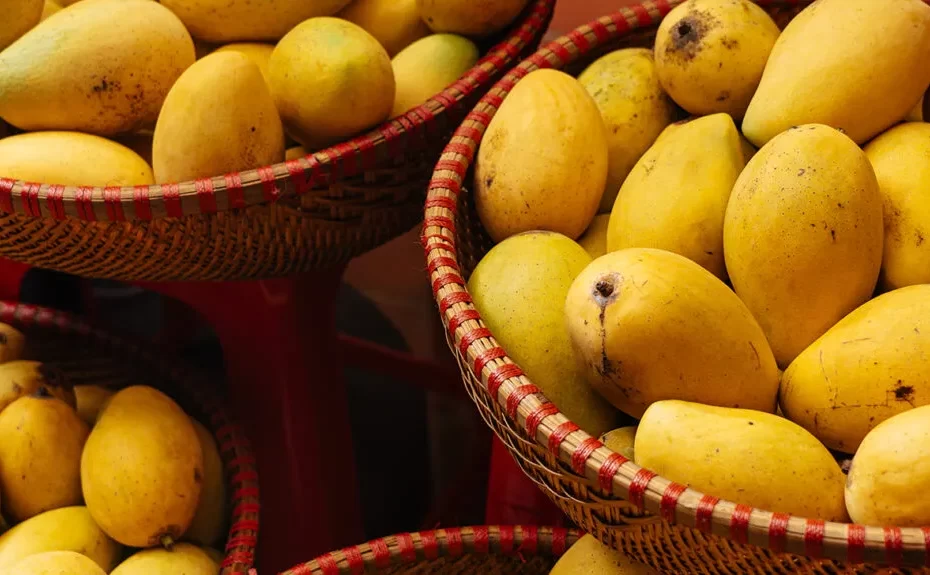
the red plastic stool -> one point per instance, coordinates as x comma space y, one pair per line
513, 499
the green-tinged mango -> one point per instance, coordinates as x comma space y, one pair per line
426, 67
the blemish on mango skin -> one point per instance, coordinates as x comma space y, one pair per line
689, 33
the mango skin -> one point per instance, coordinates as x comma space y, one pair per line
519, 287
209, 522
649, 325
183, 558
870, 366
106, 65
470, 17
258, 52
542, 163
802, 235
901, 160
710, 54
396, 24
626, 89
889, 471
743, 456
815, 75
588, 556
620, 441
19, 17
594, 239
64, 529
676, 196
428, 66
56, 563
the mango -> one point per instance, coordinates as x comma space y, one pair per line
182, 558
142, 469
203, 132
749, 151
519, 288
65, 529
635, 109
901, 160
224, 21
594, 239
19, 16
106, 67
295, 153
769, 462
676, 196
889, 471
917, 112
56, 563
50, 7
870, 366
470, 17
396, 24
710, 54
258, 52
12, 343
621, 441
428, 66
346, 70
649, 325
588, 555
815, 74
20, 378
215, 554
542, 163
91, 399
209, 522
802, 235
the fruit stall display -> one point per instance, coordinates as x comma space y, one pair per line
101, 471
681, 254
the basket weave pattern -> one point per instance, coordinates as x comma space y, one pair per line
88, 355
487, 550
661, 523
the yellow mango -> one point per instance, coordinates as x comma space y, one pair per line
19, 378
65, 529
257, 52
91, 399
542, 163
519, 288
295, 153
748, 149
50, 7
183, 558
868, 367
890, 471
917, 112
676, 196
649, 325
224, 21
589, 556
901, 160
770, 462
855, 65
621, 441
209, 522
428, 66
71, 158
346, 70
19, 16
803, 235
56, 563
203, 132
106, 67
594, 239
470, 17
394, 23
626, 89
12, 343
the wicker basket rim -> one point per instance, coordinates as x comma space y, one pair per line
536, 417
269, 183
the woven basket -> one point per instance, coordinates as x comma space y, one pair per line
91, 356
467, 550
663, 524
317, 211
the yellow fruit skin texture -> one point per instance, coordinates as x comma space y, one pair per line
18, 17
901, 159
594, 239
20, 378
50, 8
394, 23
620, 441
917, 112
868, 367
519, 288
142, 468
57, 563
427, 66
626, 88
803, 235
183, 558
223, 21
649, 325
12, 343
257, 52
816, 73
40, 456
203, 132
676, 196
749, 151
217, 556
346, 70
295, 153
710, 54
890, 471
542, 163
210, 519
65, 529
743, 456
588, 556
106, 67
90, 401
470, 17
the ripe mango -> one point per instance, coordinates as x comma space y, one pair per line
91, 399
57, 563
12, 343
542, 164
106, 67
142, 469
20, 378
428, 66
209, 522
649, 325
889, 472
203, 132
621, 441
588, 556
594, 239
868, 367
626, 89
803, 235
258, 52
19, 16
743, 456
396, 24
50, 7
815, 73
676, 196
182, 558
65, 529
470, 17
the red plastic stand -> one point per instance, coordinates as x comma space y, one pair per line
513, 499
11, 277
